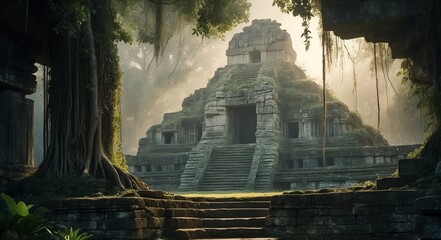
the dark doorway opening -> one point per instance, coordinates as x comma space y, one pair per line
255, 57
242, 124
293, 130
168, 137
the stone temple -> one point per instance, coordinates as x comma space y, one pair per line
258, 126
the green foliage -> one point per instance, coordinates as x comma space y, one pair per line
70, 234
301, 8
19, 223
68, 15
215, 17
367, 136
157, 23
354, 120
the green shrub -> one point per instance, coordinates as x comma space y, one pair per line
70, 234
19, 223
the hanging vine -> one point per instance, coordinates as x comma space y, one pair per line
377, 92
324, 116
353, 60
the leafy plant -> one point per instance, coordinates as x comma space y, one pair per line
70, 234
20, 223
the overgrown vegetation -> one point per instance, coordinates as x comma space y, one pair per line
19, 222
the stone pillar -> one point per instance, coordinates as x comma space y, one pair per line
16, 112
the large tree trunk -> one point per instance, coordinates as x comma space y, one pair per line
76, 107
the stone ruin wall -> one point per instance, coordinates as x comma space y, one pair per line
264, 40
365, 215
348, 215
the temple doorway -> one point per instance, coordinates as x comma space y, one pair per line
242, 123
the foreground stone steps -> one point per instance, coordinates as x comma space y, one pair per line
228, 218
210, 233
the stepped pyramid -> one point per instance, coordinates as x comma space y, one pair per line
258, 126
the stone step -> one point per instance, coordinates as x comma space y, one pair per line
231, 182
411, 167
233, 152
233, 222
221, 188
225, 179
228, 168
224, 165
213, 233
225, 158
232, 159
217, 213
394, 182
235, 204
236, 212
224, 173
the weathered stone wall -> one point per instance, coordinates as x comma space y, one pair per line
268, 130
395, 22
146, 216
428, 221
347, 215
16, 112
265, 38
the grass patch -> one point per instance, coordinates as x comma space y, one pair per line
227, 194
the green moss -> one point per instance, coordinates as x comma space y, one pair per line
367, 136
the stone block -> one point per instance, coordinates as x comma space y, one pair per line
427, 227
184, 222
411, 167
151, 194
283, 231
369, 160
384, 198
283, 212
125, 224
403, 236
310, 200
382, 236
429, 205
379, 160
327, 221
280, 221
385, 218
137, 234
337, 211
347, 237
84, 224
155, 222
373, 210
394, 182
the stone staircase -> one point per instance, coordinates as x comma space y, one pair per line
222, 219
228, 168
247, 72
